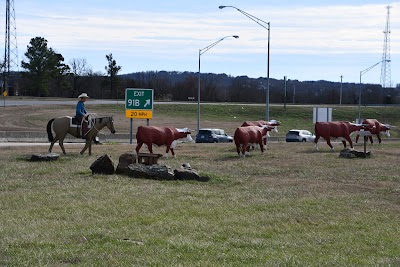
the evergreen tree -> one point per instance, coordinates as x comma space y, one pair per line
43, 64
112, 70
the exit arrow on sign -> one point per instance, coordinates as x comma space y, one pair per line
147, 102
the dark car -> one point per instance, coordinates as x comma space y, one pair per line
213, 136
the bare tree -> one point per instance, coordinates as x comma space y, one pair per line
80, 70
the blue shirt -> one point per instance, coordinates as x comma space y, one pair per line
80, 109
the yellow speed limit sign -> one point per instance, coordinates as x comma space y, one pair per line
4, 93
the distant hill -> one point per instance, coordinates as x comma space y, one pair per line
221, 87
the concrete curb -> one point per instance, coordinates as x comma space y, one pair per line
17, 136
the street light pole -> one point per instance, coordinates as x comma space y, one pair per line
202, 51
341, 89
359, 91
265, 25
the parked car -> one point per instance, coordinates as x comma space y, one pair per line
299, 136
213, 136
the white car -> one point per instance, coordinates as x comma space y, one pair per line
299, 136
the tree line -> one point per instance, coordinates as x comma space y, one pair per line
46, 74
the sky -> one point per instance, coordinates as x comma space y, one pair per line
309, 40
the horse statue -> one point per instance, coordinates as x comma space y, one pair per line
63, 126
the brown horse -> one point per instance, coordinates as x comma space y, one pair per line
62, 126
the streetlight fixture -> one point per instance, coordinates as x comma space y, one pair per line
265, 25
202, 51
359, 92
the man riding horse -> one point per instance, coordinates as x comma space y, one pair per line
65, 125
81, 114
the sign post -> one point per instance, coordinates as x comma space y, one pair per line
4, 96
138, 104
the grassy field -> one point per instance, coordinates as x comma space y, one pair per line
291, 206
225, 116
228, 116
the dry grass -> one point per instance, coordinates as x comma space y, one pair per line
291, 206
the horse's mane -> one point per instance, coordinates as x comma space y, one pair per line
101, 118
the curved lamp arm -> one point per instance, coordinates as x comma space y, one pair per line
260, 22
205, 49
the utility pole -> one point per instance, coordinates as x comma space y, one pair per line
10, 63
284, 98
341, 89
294, 93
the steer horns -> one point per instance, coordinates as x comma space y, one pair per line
389, 126
184, 130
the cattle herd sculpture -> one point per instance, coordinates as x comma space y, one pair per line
252, 134
249, 135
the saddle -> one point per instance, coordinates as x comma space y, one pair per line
74, 123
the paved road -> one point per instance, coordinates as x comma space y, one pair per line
30, 102
12, 101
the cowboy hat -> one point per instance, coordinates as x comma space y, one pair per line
83, 95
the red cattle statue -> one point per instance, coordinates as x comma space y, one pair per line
335, 129
375, 127
160, 136
245, 136
261, 123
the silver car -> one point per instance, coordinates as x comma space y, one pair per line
213, 136
299, 136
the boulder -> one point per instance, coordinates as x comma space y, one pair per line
360, 154
156, 172
187, 173
127, 166
346, 153
44, 157
103, 165
124, 161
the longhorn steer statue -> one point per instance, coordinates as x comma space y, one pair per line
261, 123
245, 136
160, 136
272, 126
376, 128
335, 129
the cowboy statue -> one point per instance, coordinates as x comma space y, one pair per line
81, 113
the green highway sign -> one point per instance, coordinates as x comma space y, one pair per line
139, 103
141, 99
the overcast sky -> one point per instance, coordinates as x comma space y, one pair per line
310, 40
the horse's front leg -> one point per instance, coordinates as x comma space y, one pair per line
90, 146
86, 146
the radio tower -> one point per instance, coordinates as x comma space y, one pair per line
10, 64
385, 70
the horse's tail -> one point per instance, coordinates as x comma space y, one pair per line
49, 134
